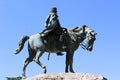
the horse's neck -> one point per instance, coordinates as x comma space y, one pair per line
76, 39
72, 34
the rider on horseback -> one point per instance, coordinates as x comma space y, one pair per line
53, 26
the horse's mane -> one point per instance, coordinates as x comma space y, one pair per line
71, 32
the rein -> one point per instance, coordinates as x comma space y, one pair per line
83, 45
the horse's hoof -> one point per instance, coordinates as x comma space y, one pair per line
23, 77
44, 70
66, 71
72, 71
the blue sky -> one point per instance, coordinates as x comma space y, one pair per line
27, 17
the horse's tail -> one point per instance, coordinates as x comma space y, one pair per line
21, 44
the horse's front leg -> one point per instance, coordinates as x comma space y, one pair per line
69, 61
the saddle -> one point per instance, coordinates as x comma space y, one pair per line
55, 38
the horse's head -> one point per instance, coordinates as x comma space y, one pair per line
85, 33
91, 37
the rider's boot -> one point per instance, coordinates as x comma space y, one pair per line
59, 54
60, 45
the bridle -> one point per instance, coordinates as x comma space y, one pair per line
90, 37
85, 33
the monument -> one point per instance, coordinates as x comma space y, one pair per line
62, 40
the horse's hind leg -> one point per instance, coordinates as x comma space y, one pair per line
43, 67
26, 62
38, 55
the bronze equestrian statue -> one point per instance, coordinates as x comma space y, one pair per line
72, 38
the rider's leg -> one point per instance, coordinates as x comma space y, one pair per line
60, 44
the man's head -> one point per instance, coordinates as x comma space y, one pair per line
54, 9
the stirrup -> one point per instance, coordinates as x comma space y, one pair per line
59, 54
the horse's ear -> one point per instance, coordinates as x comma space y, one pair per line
84, 28
75, 29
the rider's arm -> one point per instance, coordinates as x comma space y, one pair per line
47, 20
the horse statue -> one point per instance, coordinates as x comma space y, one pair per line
71, 39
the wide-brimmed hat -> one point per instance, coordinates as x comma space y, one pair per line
54, 9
